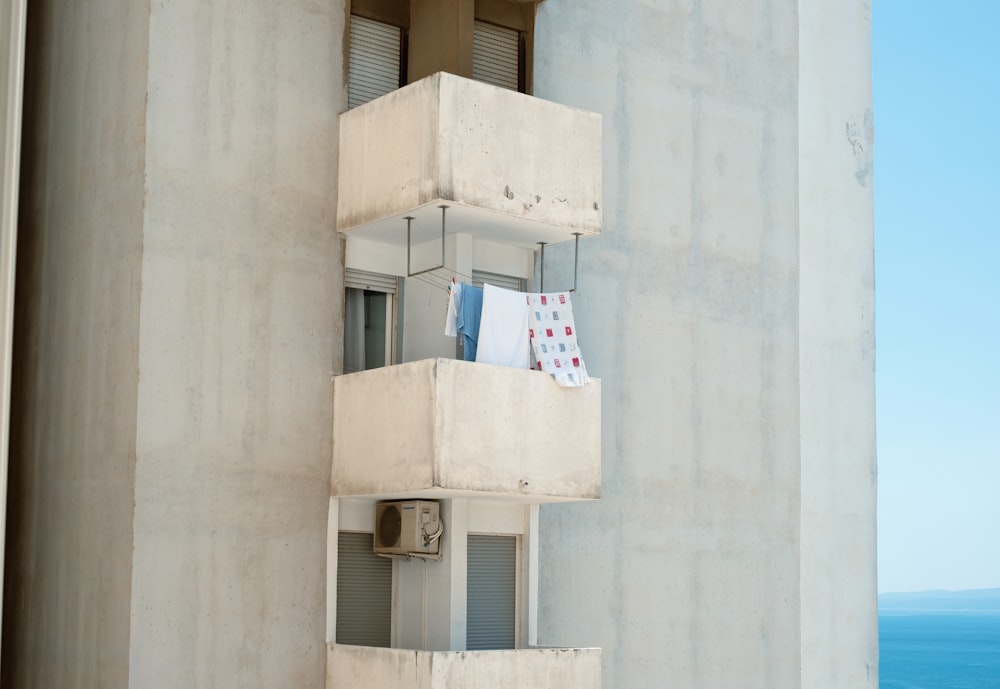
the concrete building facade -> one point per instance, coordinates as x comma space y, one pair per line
195, 200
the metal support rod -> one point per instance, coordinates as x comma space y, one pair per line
576, 262
408, 219
443, 209
576, 257
541, 268
409, 243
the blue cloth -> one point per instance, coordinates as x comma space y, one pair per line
470, 312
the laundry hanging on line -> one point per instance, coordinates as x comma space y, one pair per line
514, 327
553, 339
468, 303
504, 338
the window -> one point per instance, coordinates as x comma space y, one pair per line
369, 320
364, 592
395, 42
497, 56
491, 593
411, 603
377, 60
482, 277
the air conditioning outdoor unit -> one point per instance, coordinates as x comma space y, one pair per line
408, 527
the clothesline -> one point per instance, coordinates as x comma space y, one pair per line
442, 282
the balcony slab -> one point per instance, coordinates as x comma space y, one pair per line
441, 428
350, 667
512, 168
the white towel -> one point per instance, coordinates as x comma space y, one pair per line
553, 339
503, 328
454, 304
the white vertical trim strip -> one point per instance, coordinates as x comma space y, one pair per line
458, 557
532, 583
12, 21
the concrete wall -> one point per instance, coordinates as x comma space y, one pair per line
191, 240
837, 347
240, 333
441, 32
12, 20
69, 554
700, 564
179, 316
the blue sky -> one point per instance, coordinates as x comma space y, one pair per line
937, 262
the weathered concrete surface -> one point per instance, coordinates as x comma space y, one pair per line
500, 158
66, 621
179, 322
349, 667
12, 21
240, 333
699, 565
439, 425
837, 347
442, 30
723, 307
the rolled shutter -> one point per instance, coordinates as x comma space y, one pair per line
491, 592
481, 277
373, 68
496, 55
372, 282
364, 592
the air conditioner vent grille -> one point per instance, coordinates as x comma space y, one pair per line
390, 526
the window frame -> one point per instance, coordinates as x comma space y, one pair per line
368, 281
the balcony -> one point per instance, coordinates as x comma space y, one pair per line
511, 168
441, 428
349, 667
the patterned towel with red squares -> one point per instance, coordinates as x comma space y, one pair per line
553, 338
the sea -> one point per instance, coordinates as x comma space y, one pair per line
945, 650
